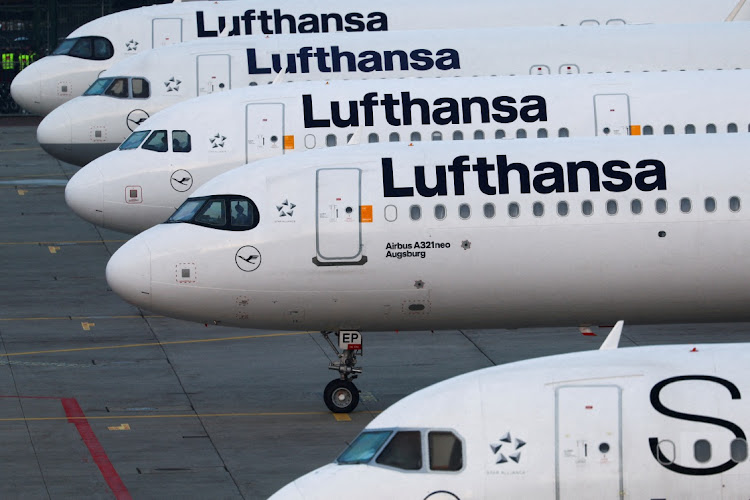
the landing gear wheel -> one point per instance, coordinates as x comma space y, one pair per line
341, 396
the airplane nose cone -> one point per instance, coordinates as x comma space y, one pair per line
55, 135
26, 90
129, 272
84, 194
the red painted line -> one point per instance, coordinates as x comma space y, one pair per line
76, 417
589, 334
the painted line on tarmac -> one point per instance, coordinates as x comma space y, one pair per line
189, 415
58, 243
18, 150
156, 344
77, 318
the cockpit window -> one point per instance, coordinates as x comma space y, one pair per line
86, 47
364, 447
140, 88
404, 451
446, 451
99, 86
156, 142
180, 141
212, 212
135, 139
119, 88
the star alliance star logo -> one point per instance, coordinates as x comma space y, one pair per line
513, 445
132, 46
173, 84
286, 209
217, 141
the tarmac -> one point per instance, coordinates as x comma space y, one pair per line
99, 399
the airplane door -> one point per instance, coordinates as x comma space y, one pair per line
612, 114
213, 73
264, 131
588, 464
338, 234
166, 32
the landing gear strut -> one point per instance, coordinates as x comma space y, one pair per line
341, 395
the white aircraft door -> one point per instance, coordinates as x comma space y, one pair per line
588, 434
214, 73
264, 131
166, 32
338, 233
612, 114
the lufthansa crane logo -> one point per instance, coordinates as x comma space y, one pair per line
135, 118
181, 180
247, 258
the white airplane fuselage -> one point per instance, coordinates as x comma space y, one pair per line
54, 80
473, 234
646, 422
132, 189
96, 123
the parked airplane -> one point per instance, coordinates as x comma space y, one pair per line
93, 47
641, 422
460, 234
136, 88
180, 148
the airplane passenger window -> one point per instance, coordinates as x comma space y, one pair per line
415, 212
648, 130
489, 210
118, 88
393, 137
541, 133
611, 207
514, 210
99, 86
404, 451
690, 128
464, 211
141, 89
538, 208
666, 453
349, 138
562, 208
732, 128
563, 132
330, 140
478, 135
253, 84
738, 450
364, 447
636, 206
668, 130
499, 134
458, 135
520, 134
734, 204
661, 205
373, 138
446, 451
415, 137
710, 204
587, 207
157, 142
213, 213
180, 141
437, 136
685, 205
134, 140
710, 128
440, 212
702, 450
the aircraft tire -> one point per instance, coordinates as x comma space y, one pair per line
341, 396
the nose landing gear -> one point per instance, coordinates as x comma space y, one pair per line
341, 395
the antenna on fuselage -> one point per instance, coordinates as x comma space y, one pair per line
613, 338
279, 78
356, 136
